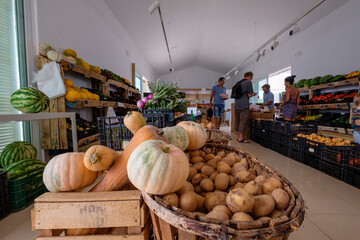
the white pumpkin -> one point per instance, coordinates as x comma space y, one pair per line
55, 56
44, 48
156, 167
176, 136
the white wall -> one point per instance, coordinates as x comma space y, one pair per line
330, 46
193, 77
90, 28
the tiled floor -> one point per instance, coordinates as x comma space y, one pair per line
333, 207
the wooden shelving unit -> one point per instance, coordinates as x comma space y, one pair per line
53, 131
325, 130
195, 94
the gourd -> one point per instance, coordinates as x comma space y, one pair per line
44, 48
67, 172
134, 121
156, 167
117, 177
95, 69
196, 133
99, 158
70, 53
55, 56
81, 62
177, 136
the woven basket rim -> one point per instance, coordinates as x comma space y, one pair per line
289, 221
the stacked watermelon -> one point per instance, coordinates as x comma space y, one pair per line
17, 151
29, 100
18, 159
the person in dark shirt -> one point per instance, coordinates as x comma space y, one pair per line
242, 107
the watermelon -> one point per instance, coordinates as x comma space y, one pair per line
17, 151
23, 168
29, 100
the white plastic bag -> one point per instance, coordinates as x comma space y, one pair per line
49, 80
254, 108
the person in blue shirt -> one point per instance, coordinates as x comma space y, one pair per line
268, 97
218, 93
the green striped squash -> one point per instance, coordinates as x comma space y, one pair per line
17, 151
29, 100
23, 168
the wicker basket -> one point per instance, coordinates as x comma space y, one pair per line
169, 221
217, 136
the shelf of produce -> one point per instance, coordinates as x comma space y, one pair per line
68, 66
335, 134
90, 103
86, 147
117, 84
353, 81
87, 140
304, 89
327, 106
126, 105
335, 130
130, 89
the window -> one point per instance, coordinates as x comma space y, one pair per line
138, 82
12, 66
276, 81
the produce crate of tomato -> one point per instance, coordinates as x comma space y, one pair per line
341, 97
352, 167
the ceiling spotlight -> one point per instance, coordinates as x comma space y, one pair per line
294, 30
276, 43
258, 57
263, 54
227, 77
236, 72
155, 4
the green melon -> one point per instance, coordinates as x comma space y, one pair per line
29, 100
17, 151
24, 168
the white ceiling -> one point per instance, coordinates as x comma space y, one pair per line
213, 34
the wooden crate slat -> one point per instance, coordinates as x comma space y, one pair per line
167, 231
88, 196
95, 237
54, 126
45, 133
86, 147
87, 215
62, 124
88, 140
117, 84
183, 235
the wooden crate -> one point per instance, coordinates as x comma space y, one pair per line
123, 211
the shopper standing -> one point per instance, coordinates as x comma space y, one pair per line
292, 99
218, 93
268, 97
245, 92
356, 119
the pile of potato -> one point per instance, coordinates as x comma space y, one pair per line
222, 185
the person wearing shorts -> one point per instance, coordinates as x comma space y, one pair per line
218, 94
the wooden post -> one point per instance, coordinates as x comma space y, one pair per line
133, 74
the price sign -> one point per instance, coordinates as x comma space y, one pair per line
120, 104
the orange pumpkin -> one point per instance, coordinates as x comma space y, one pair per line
67, 172
197, 134
157, 167
116, 177
99, 158
134, 121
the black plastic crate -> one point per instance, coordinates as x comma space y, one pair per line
353, 156
265, 141
337, 155
352, 175
275, 146
4, 195
334, 170
255, 138
280, 127
297, 155
285, 150
304, 128
266, 125
313, 148
256, 123
312, 161
298, 143
285, 140
115, 135
169, 113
